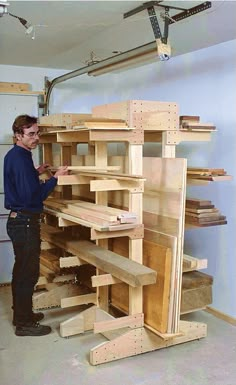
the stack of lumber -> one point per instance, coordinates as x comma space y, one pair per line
192, 123
101, 124
207, 174
55, 282
196, 291
48, 123
49, 264
101, 217
202, 213
56, 122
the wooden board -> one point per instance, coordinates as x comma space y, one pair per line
191, 126
101, 123
200, 211
198, 203
125, 110
52, 297
141, 340
156, 121
209, 215
189, 118
196, 291
14, 87
195, 299
127, 271
156, 296
195, 279
50, 260
205, 171
205, 222
66, 119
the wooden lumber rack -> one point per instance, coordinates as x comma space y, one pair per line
153, 205
126, 335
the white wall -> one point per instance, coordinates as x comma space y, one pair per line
33, 76
202, 83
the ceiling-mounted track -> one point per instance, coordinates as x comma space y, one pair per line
49, 85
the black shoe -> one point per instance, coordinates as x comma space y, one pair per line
33, 329
36, 317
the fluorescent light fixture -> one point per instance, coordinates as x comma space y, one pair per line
137, 60
161, 52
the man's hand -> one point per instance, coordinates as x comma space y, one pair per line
63, 170
43, 168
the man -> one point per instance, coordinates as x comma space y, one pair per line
24, 196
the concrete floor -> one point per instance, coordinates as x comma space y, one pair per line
53, 360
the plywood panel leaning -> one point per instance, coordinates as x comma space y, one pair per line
164, 203
155, 296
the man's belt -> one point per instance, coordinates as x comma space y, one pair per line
13, 214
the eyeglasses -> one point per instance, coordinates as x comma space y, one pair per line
33, 134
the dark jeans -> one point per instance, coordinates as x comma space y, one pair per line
24, 232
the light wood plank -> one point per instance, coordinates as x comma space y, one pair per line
127, 271
79, 300
141, 340
103, 280
133, 322
191, 263
71, 262
14, 87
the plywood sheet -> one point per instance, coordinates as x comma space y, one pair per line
164, 206
156, 296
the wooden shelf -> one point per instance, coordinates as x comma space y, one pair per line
100, 187
175, 137
133, 136
208, 179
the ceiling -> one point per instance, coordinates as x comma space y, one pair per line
68, 34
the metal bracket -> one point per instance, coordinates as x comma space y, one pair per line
190, 12
166, 26
41, 103
154, 22
47, 82
47, 85
168, 20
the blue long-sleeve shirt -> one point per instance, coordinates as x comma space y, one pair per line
22, 186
